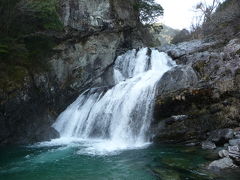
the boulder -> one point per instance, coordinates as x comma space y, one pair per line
208, 145
223, 163
221, 136
180, 77
223, 153
234, 152
234, 142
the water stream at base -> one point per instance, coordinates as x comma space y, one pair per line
119, 117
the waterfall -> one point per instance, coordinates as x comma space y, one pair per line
122, 114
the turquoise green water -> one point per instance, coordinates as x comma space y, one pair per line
68, 163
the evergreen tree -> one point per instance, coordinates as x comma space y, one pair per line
149, 11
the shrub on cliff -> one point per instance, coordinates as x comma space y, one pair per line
149, 11
24, 40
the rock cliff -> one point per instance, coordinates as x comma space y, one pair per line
204, 88
95, 32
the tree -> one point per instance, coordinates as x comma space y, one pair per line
149, 11
206, 10
220, 19
204, 13
204, 18
183, 35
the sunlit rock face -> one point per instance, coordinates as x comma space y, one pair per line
78, 13
81, 14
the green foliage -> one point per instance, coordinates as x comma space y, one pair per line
24, 40
3, 49
46, 14
149, 11
21, 17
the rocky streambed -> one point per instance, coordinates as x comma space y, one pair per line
226, 143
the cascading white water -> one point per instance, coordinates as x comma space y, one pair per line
122, 114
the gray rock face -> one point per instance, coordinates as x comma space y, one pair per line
82, 15
208, 145
79, 13
84, 63
221, 164
186, 48
205, 87
180, 77
214, 66
99, 30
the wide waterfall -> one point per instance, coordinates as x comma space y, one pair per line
119, 117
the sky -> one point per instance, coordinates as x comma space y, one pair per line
178, 14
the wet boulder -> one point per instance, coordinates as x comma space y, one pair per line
234, 153
208, 145
223, 163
